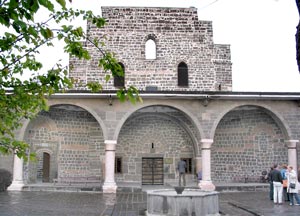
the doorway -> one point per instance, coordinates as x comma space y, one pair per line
46, 167
152, 171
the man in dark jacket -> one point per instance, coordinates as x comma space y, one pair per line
270, 180
276, 177
181, 169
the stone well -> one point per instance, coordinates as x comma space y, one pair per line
190, 202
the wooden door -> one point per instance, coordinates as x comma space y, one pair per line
152, 171
46, 167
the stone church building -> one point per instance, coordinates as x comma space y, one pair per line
189, 111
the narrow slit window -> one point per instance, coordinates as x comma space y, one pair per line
183, 75
150, 49
118, 165
119, 81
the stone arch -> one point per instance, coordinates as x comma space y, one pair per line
44, 150
134, 109
277, 117
247, 140
51, 103
159, 132
44, 121
179, 123
151, 36
78, 131
89, 110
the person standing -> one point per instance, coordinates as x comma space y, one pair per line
293, 191
277, 185
181, 169
283, 172
270, 180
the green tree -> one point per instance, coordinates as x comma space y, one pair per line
19, 44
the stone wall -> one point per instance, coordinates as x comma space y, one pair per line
6, 162
179, 37
74, 140
247, 141
170, 141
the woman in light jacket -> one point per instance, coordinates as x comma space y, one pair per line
293, 192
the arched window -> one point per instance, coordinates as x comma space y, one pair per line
150, 49
119, 81
183, 75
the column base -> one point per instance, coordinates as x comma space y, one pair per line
16, 186
206, 185
109, 187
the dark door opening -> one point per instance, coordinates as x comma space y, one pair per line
152, 171
46, 167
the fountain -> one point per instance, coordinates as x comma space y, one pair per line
188, 202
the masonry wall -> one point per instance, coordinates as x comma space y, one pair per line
6, 162
251, 136
74, 141
179, 37
170, 141
246, 142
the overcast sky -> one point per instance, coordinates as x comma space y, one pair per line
261, 34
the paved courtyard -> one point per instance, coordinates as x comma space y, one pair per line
127, 204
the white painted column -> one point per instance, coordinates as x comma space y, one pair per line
110, 185
292, 153
198, 162
206, 183
17, 183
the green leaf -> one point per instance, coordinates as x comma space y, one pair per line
13, 4
107, 77
62, 3
46, 33
47, 4
32, 31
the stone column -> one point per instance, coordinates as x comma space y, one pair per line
198, 162
206, 183
17, 183
110, 185
292, 153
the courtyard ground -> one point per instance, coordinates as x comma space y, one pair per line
128, 204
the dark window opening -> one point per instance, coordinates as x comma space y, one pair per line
183, 76
188, 162
119, 81
118, 165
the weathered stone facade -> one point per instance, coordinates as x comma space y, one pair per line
179, 37
152, 135
228, 135
247, 141
73, 139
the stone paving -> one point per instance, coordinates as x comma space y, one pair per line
29, 203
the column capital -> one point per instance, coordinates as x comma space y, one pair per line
292, 143
110, 142
206, 140
206, 143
